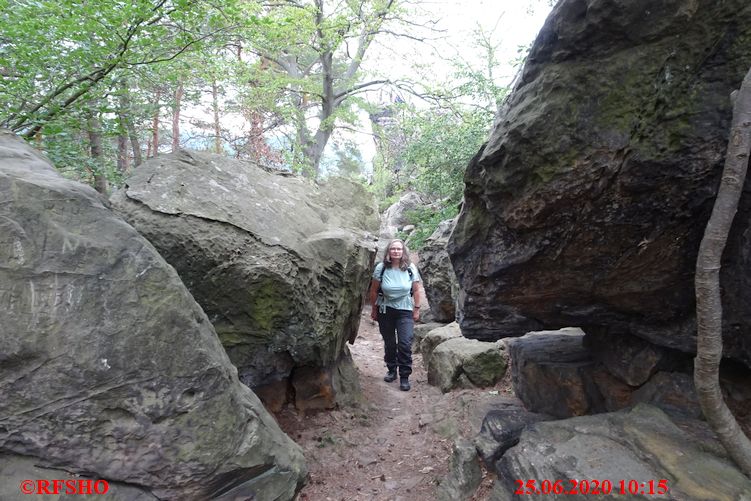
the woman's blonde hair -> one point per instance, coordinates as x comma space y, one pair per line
405, 262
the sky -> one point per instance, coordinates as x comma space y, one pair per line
513, 23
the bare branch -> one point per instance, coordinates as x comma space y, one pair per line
340, 96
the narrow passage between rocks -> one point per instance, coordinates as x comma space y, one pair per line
396, 444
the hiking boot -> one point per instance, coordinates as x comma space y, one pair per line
404, 384
390, 376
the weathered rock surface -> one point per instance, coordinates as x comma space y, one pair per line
438, 276
422, 330
642, 444
279, 265
14, 470
466, 363
464, 475
552, 373
629, 358
587, 205
672, 392
502, 427
436, 337
108, 367
397, 216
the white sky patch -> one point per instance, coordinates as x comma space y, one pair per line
513, 23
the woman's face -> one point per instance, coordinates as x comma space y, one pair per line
395, 251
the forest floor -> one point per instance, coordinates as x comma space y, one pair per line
394, 445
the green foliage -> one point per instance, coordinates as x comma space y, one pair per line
428, 148
55, 53
426, 221
308, 77
348, 162
439, 146
61, 60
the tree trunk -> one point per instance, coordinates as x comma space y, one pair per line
176, 118
123, 156
217, 126
707, 283
95, 145
155, 126
126, 113
258, 150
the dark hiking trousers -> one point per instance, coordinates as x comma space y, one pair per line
397, 328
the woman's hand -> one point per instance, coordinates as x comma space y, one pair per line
374, 313
415, 314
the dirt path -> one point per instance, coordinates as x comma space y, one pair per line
395, 445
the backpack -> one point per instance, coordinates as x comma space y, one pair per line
411, 278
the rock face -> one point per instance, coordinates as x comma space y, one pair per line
552, 373
396, 217
278, 264
464, 474
108, 367
502, 428
587, 205
642, 445
438, 276
434, 338
466, 363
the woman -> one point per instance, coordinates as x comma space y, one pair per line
395, 299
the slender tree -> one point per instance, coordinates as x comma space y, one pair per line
217, 123
314, 60
707, 283
179, 91
94, 129
125, 114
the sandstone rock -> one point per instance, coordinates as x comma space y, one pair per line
552, 373
588, 203
438, 275
108, 367
436, 337
422, 330
397, 216
642, 444
672, 392
464, 475
615, 393
631, 359
14, 470
481, 364
279, 265
502, 427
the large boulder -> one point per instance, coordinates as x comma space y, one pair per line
587, 205
108, 367
464, 475
434, 338
466, 363
398, 215
502, 427
439, 280
279, 264
634, 450
553, 373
